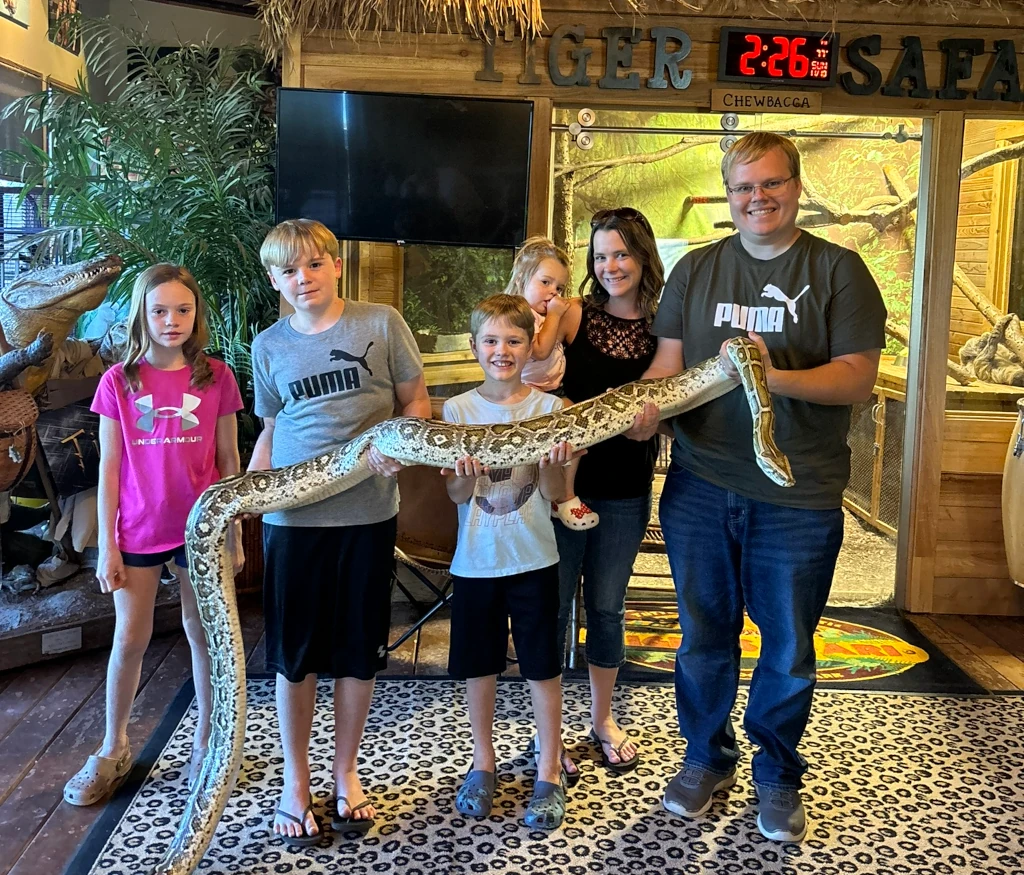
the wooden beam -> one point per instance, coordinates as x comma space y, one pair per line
941, 155
538, 206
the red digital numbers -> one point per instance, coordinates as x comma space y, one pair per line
788, 57
750, 55
799, 64
781, 55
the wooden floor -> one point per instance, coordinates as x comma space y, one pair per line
51, 716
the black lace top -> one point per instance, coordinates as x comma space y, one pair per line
607, 352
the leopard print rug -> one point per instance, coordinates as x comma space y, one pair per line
899, 785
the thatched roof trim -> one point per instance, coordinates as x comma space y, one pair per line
282, 18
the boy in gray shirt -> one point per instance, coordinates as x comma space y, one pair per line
322, 376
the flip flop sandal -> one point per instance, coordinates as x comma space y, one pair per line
351, 823
547, 806
571, 778
97, 779
306, 839
622, 766
476, 795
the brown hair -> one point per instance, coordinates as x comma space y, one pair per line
637, 234
139, 340
295, 237
511, 308
753, 147
534, 252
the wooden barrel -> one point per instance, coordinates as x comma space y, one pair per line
1013, 499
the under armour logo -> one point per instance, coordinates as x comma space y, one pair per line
776, 294
341, 355
150, 414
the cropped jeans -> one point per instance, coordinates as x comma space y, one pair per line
728, 552
605, 555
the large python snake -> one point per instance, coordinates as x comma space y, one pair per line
415, 442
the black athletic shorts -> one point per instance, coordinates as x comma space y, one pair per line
327, 599
481, 610
152, 560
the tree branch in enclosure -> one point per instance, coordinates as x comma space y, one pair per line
1013, 338
959, 373
899, 215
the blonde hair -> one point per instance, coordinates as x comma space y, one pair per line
534, 252
295, 237
139, 340
510, 308
753, 147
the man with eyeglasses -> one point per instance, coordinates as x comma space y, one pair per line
734, 539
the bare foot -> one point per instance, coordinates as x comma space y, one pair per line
294, 800
567, 762
347, 787
618, 746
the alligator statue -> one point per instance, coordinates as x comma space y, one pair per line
51, 300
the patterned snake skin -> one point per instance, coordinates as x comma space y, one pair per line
416, 442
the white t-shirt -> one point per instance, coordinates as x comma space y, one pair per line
505, 527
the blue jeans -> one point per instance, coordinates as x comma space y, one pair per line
605, 555
727, 552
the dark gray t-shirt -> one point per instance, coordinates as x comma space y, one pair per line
814, 302
325, 389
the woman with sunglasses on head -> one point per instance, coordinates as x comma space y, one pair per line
608, 343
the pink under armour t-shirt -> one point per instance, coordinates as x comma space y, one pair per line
170, 448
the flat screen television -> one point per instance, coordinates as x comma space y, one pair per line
405, 168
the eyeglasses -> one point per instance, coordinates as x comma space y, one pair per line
772, 185
627, 213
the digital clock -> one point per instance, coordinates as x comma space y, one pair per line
777, 57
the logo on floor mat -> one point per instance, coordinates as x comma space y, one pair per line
846, 651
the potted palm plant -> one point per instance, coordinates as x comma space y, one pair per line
175, 164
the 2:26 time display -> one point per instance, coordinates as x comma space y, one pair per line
777, 57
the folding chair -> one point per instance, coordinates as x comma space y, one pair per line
428, 525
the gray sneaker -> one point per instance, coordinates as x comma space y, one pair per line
781, 817
689, 794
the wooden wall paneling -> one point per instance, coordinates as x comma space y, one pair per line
1005, 179
538, 208
975, 443
291, 62
942, 148
447, 64
379, 274
994, 597
973, 524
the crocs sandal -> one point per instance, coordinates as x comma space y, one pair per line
547, 806
351, 823
476, 795
571, 778
623, 765
575, 514
306, 839
97, 779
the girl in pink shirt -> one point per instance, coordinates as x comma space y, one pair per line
540, 274
167, 431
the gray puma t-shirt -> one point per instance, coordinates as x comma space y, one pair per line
325, 389
814, 302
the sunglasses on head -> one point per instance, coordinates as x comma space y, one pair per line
627, 213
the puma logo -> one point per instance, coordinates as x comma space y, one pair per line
776, 294
341, 355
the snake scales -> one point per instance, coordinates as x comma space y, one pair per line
414, 441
